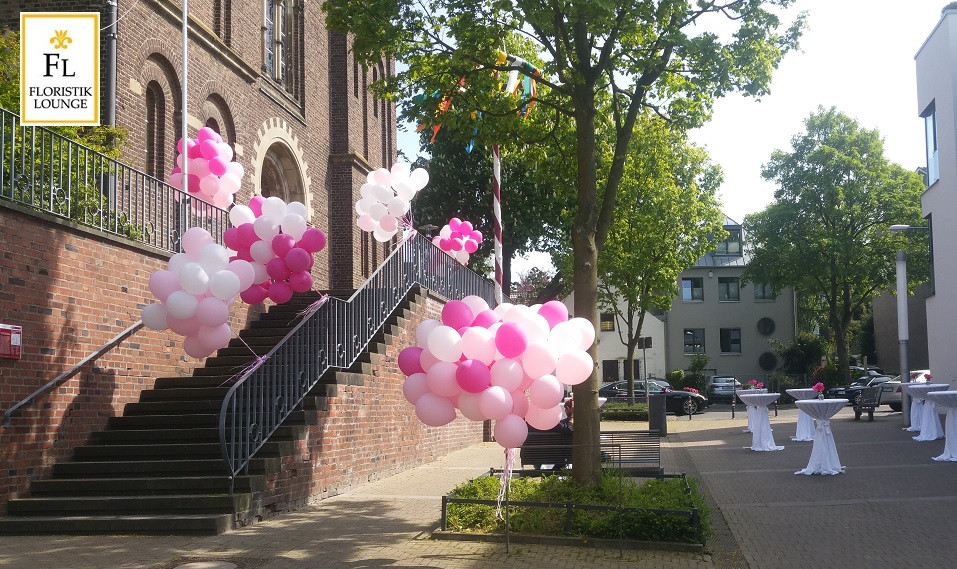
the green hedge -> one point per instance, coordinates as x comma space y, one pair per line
624, 411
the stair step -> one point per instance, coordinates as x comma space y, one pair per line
163, 421
170, 450
99, 505
209, 524
183, 393
144, 485
145, 468
196, 434
202, 407
222, 380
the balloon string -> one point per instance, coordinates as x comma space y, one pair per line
312, 308
503, 482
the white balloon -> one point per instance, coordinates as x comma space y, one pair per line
382, 235
469, 406
423, 330
462, 256
399, 170
259, 273
213, 258
476, 303
236, 169
366, 223
363, 205
388, 223
587, 330
176, 262
507, 374
405, 191
297, 208
565, 337
229, 183
261, 251
478, 344
418, 179
274, 207
244, 272
293, 225
377, 210
224, 285
398, 207
383, 193
199, 167
193, 279
266, 226
224, 151
445, 343
181, 304
154, 317
445, 232
366, 190
241, 214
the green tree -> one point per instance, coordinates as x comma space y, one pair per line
802, 355
826, 234
667, 217
640, 54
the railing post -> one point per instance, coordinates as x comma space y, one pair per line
443, 524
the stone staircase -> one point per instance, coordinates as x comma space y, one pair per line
157, 469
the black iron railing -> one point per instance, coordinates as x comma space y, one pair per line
47, 172
333, 336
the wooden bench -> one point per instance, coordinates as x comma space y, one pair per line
867, 399
635, 452
546, 447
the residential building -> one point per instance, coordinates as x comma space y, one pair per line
715, 314
936, 76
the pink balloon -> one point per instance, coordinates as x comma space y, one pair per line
193, 185
215, 337
469, 406
471, 246
183, 326
486, 318
410, 362
455, 245
280, 292
456, 314
510, 340
212, 312
511, 431
543, 419
253, 295
414, 386
205, 133
163, 283
313, 240
478, 344
519, 403
192, 150
476, 235
298, 260
256, 204
445, 244
195, 347
208, 150
243, 269
218, 166
495, 403
538, 359
277, 270
455, 223
231, 239
546, 392
282, 244
427, 359
507, 374
554, 312
441, 377
434, 411
473, 376
465, 228
245, 255
247, 234
300, 281
574, 367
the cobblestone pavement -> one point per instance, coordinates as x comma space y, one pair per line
894, 507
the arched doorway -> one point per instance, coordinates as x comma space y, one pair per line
281, 175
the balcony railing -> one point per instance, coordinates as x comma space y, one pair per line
333, 337
47, 172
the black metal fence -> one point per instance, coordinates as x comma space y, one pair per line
47, 172
333, 336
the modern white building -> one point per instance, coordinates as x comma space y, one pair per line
937, 105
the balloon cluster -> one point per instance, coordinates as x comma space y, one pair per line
386, 198
458, 239
213, 177
508, 364
274, 238
195, 291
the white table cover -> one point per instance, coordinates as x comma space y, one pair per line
930, 429
916, 392
947, 400
805, 424
762, 438
824, 459
750, 408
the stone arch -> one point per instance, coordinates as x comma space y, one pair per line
217, 110
280, 167
162, 100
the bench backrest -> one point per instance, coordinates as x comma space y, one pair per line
871, 395
632, 446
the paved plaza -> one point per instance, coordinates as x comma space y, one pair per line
893, 507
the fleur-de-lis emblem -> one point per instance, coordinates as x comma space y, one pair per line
60, 40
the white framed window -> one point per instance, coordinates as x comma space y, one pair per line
729, 289
764, 292
282, 45
694, 341
930, 137
731, 244
692, 289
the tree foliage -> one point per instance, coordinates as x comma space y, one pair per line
826, 234
658, 55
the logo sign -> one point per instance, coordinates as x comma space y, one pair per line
60, 68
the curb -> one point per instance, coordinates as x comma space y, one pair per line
569, 541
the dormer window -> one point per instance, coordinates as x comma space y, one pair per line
732, 243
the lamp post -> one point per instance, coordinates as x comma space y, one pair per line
903, 328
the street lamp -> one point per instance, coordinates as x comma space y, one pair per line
903, 328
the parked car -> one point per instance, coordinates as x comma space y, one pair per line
853, 391
679, 402
722, 387
871, 370
891, 395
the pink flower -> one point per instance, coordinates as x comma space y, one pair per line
819, 387
760, 385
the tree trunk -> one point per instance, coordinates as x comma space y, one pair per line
586, 457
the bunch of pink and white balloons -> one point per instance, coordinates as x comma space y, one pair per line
386, 198
274, 238
508, 364
213, 176
458, 239
195, 292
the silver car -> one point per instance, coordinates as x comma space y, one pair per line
891, 394
722, 387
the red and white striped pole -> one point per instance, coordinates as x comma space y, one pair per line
497, 211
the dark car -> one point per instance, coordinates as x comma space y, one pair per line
853, 391
677, 402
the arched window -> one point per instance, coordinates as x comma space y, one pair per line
282, 45
281, 175
155, 130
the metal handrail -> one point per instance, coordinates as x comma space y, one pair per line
61, 379
44, 171
333, 336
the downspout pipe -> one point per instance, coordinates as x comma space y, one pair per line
111, 66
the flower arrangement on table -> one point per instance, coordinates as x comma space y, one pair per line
690, 389
819, 387
755, 384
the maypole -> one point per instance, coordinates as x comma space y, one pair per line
497, 211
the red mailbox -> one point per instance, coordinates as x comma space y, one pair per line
10, 339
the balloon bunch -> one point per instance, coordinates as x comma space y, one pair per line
195, 291
508, 364
386, 198
274, 238
458, 239
213, 177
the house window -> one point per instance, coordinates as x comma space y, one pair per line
607, 322
764, 292
930, 135
729, 289
282, 45
609, 370
731, 245
692, 289
155, 130
731, 340
694, 341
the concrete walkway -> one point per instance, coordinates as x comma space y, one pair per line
894, 507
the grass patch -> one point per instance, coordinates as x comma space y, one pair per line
681, 494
